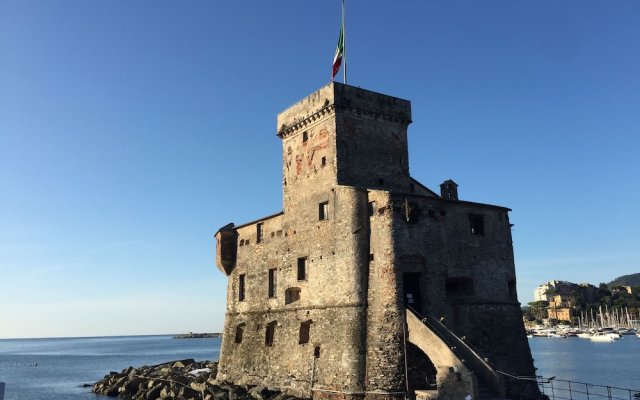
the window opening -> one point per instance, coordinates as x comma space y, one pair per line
272, 282
316, 352
270, 334
459, 287
241, 280
371, 207
305, 327
302, 268
239, 333
259, 232
291, 295
323, 161
305, 136
323, 211
476, 224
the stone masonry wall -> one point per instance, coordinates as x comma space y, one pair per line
332, 296
469, 279
385, 320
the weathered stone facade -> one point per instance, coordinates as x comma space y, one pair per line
317, 293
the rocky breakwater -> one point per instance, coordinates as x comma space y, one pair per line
192, 335
179, 380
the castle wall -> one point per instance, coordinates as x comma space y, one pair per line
332, 296
468, 278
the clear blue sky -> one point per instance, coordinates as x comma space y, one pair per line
131, 131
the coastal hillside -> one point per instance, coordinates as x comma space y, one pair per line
626, 280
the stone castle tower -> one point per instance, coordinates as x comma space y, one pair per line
368, 284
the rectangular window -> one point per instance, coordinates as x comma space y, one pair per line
239, 333
459, 287
302, 268
270, 333
305, 327
323, 211
241, 287
259, 232
371, 207
476, 223
272, 283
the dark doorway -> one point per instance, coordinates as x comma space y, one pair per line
411, 288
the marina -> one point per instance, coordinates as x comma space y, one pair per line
573, 368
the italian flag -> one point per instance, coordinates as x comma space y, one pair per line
337, 59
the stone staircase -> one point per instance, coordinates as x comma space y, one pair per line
456, 378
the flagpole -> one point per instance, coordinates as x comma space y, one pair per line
344, 41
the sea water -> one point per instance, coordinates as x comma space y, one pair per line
57, 369
614, 363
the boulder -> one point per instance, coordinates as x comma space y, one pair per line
154, 392
223, 395
183, 363
188, 393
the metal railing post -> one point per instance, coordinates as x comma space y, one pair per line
570, 393
586, 385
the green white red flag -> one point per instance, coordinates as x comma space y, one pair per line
337, 59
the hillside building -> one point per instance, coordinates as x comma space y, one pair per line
368, 284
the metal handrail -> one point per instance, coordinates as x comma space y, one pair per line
463, 351
574, 389
562, 389
439, 327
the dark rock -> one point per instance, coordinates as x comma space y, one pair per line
132, 385
154, 392
180, 379
189, 393
221, 395
112, 390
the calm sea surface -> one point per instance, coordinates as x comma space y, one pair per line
64, 365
